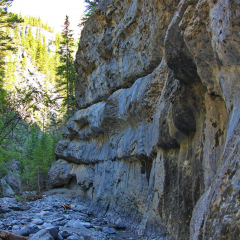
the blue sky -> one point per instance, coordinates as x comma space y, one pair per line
52, 12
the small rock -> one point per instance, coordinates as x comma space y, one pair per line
47, 225
56, 206
15, 222
87, 224
65, 234
15, 228
108, 230
120, 226
75, 238
60, 224
44, 213
28, 220
75, 224
27, 230
80, 208
42, 235
24, 231
59, 237
37, 221
53, 231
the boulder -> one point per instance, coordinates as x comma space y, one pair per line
59, 174
6, 190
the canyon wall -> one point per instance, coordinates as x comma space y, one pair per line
155, 142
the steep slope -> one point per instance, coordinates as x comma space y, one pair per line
31, 69
155, 142
30, 98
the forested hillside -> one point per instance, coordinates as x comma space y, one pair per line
36, 84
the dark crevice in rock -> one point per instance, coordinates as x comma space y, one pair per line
184, 119
107, 208
184, 67
146, 168
72, 182
183, 186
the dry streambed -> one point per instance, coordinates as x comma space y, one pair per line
57, 215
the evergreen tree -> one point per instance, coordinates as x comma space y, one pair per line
90, 8
8, 116
66, 70
37, 157
7, 20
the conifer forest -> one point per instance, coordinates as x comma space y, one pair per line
37, 96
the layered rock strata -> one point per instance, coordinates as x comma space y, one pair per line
155, 142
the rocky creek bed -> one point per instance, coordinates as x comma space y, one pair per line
58, 215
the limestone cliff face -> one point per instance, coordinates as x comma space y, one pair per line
156, 142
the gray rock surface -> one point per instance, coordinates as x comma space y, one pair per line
61, 224
155, 141
109, 230
59, 237
75, 224
75, 238
10, 183
37, 221
42, 235
28, 230
53, 231
60, 174
6, 190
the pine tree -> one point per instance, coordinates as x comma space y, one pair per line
7, 21
8, 116
37, 157
66, 70
90, 8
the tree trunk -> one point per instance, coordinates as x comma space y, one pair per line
39, 187
10, 236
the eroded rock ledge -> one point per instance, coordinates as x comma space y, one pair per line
155, 141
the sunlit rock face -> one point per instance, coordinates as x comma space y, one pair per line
155, 142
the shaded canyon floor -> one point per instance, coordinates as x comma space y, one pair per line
58, 215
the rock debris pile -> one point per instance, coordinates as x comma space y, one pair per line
57, 215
